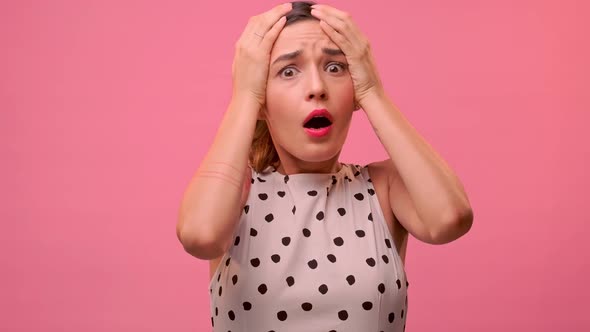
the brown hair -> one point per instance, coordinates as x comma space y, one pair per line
262, 150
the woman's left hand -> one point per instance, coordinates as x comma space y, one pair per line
338, 25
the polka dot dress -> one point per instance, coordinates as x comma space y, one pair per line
312, 252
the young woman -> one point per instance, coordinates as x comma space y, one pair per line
297, 240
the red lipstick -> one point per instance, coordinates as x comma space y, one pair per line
318, 132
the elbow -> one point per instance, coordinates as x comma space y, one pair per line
199, 244
454, 226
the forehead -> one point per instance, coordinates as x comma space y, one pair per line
301, 35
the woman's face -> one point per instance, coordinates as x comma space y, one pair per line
315, 78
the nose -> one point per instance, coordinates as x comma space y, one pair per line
316, 87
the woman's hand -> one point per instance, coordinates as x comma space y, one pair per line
252, 53
338, 25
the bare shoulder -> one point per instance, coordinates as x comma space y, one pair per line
246, 185
382, 170
381, 173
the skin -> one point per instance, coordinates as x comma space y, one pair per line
416, 183
295, 87
298, 86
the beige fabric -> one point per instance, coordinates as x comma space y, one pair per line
311, 252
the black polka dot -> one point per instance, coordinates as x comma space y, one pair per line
290, 281
391, 317
367, 305
312, 193
212, 322
306, 232
263, 196
286, 240
371, 262
281, 193
282, 315
227, 261
347, 178
252, 180
357, 173
371, 191
261, 180
312, 264
237, 241
343, 315
247, 306
216, 311
320, 215
399, 284
231, 315
369, 180
262, 289
306, 306
385, 259
327, 191
253, 232
293, 210
255, 262
219, 276
338, 241
220, 290
388, 243
407, 283
275, 258
286, 178
360, 233
370, 216
234, 279
331, 258
246, 208
334, 179
402, 313
341, 211
381, 288
350, 279
269, 217
323, 289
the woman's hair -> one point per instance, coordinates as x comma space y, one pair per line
262, 150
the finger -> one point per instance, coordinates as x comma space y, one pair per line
338, 24
267, 20
260, 24
336, 37
271, 36
338, 20
332, 11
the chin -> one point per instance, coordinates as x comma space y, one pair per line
316, 152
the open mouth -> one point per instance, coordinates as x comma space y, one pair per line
318, 122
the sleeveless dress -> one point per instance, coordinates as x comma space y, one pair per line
311, 252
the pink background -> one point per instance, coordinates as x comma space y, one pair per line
107, 109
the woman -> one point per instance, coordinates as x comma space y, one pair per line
301, 241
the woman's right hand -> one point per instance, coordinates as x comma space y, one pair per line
252, 53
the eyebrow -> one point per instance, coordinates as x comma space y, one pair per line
295, 54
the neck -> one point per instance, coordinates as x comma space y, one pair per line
300, 166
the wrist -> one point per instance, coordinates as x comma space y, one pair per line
245, 101
374, 96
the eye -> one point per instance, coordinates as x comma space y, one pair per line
287, 72
336, 67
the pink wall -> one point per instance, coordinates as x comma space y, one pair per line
108, 107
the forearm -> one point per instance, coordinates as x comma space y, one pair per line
436, 191
210, 205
